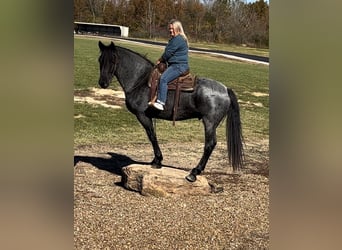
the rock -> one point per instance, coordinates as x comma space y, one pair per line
162, 182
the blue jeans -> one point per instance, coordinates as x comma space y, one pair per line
172, 72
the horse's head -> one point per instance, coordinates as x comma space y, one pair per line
107, 60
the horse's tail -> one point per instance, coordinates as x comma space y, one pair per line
234, 133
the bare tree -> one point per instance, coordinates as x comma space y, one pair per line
229, 21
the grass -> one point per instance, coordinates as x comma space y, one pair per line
232, 48
222, 46
105, 125
101, 124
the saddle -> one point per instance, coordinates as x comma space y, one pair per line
185, 82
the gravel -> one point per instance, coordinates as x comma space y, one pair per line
107, 216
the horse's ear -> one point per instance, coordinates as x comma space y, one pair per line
112, 45
101, 46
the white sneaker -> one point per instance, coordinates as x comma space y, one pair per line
158, 106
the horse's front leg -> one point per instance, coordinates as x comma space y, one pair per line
146, 122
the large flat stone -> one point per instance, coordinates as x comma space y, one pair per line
162, 182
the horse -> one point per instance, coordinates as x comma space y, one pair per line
210, 101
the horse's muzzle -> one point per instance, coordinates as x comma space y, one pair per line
103, 84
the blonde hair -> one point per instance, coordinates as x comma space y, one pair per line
177, 25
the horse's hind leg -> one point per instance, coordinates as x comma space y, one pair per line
146, 122
210, 143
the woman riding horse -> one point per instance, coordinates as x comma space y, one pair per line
176, 57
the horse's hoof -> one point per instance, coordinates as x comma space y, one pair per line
191, 178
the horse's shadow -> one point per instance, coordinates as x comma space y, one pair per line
114, 164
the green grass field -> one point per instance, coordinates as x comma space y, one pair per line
109, 126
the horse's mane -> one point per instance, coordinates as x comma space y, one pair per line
145, 77
138, 54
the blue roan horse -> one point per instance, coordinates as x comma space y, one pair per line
210, 101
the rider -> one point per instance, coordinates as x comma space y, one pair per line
176, 57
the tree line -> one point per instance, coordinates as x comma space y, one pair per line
221, 21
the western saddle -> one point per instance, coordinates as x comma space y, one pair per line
185, 82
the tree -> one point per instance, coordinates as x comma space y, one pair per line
109, 13
229, 21
193, 18
96, 9
258, 32
221, 10
81, 11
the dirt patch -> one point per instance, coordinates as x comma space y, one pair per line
258, 94
251, 104
105, 97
